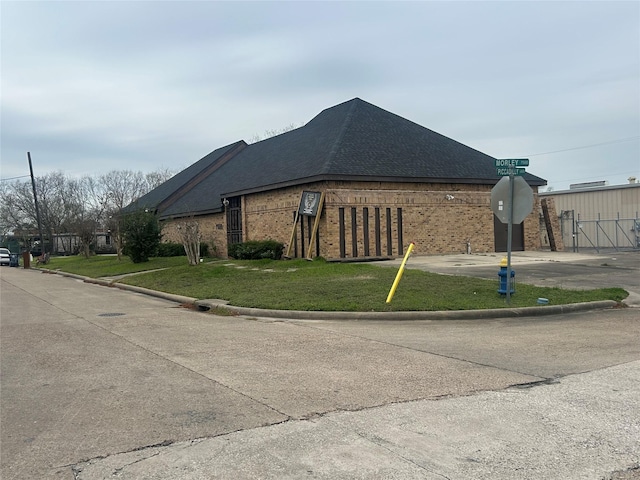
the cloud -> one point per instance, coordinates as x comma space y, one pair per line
97, 85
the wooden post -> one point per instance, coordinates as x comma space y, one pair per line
293, 230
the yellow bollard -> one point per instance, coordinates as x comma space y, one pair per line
399, 275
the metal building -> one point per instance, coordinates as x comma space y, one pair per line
599, 216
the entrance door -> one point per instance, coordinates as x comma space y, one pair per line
500, 231
234, 221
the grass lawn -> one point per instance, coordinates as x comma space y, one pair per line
320, 285
108, 265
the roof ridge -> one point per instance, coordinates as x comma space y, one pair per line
200, 176
345, 124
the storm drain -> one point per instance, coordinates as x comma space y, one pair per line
111, 314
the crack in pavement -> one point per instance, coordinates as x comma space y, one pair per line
78, 467
388, 446
167, 359
418, 350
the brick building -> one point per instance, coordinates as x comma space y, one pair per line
385, 180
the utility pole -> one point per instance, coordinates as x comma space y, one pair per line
35, 200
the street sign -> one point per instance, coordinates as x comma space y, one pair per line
522, 200
512, 162
509, 171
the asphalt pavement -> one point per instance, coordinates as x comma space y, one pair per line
101, 383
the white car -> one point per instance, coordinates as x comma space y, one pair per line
5, 256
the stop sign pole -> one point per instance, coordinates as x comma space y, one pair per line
509, 233
519, 204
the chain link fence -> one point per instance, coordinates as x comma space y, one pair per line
600, 233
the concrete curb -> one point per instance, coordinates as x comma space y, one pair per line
145, 291
322, 315
413, 315
112, 283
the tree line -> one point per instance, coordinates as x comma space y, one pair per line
72, 207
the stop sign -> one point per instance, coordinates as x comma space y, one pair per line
522, 199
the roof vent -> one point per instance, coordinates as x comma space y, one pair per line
576, 186
632, 179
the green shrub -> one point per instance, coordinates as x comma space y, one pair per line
256, 250
173, 249
170, 249
141, 235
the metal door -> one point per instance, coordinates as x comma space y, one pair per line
500, 236
234, 221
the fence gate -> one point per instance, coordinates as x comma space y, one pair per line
617, 233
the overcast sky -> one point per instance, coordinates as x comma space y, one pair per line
89, 87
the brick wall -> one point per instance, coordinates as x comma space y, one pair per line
438, 218
550, 227
213, 232
434, 222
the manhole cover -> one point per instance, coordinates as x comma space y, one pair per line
113, 314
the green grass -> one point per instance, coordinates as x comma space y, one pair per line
109, 265
319, 285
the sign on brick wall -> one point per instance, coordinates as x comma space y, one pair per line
309, 204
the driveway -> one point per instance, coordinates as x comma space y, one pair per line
544, 268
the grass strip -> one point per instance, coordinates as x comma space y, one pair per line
322, 286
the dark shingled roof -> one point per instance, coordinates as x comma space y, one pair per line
354, 140
178, 185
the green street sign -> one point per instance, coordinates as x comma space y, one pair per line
512, 162
510, 171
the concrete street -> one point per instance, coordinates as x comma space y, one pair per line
98, 382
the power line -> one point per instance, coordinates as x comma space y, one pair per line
621, 140
13, 178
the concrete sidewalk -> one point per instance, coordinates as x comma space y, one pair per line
518, 259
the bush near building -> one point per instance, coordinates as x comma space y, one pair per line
256, 250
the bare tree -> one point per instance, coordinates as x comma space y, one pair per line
272, 133
189, 231
18, 208
92, 202
59, 207
122, 188
75, 207
157, 178
5, 216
